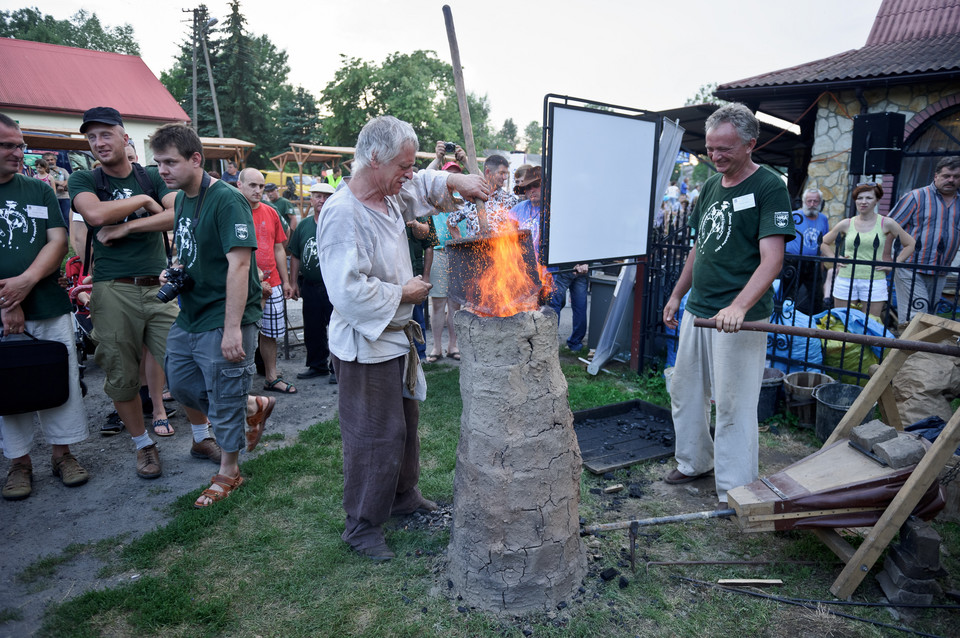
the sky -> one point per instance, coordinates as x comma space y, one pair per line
644, 54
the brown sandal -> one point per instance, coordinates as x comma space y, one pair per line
227, 483
257, 422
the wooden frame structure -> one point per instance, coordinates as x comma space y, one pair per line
923, 327
227, 148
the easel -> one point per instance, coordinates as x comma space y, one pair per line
923, 327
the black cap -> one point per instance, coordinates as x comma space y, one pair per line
102, 115
269, 187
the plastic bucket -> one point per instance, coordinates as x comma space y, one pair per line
769, 393
833, 401
799, 387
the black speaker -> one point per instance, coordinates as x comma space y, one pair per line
877, 143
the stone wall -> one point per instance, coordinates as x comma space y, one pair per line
833, 136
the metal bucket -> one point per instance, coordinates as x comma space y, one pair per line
469, 259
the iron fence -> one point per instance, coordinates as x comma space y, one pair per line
804, 297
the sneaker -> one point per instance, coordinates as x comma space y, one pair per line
113, 425
19, 482
206, 449
376, 553
148, 462
69, 470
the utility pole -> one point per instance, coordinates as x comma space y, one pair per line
213, 91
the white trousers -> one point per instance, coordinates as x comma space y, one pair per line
729, 368
63, 425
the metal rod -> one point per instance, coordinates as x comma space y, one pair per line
869, 340
659, 520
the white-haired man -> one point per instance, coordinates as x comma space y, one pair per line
367, 271
803, 280
742, 219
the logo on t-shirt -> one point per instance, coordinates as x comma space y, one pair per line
715, 227
186, 247
13, 223
241, 230
781, 218
310, 255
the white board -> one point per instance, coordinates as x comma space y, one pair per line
601, 171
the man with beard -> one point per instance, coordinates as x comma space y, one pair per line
802, 280
307, 281
125, 234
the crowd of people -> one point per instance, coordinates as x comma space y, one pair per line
364, 262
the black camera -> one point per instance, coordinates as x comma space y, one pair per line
449, 147
178, 281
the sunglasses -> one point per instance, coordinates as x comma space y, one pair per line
868, 184
536, 184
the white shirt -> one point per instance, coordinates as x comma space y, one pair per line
365, 260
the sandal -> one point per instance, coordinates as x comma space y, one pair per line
257, 422
227, 484
432, 358
165, 429
271, 386
454, 355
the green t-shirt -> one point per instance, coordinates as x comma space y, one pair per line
729, 224
418, 246
285, 209
224, 222
303, 246
137, 254
28, 207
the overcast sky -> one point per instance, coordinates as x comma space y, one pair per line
646, 54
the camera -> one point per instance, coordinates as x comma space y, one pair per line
178, 281
449, 147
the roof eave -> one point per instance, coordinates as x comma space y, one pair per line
792, 90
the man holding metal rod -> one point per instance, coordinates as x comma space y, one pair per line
742, 219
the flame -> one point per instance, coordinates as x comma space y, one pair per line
505, 284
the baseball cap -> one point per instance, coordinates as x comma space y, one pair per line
322, 187
269, 188
450, 165
101, 115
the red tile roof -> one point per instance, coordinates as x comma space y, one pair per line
940, 53
899, 20
83, 79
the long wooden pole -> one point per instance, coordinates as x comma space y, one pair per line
471, 147
816, 333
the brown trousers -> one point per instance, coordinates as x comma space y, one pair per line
381, 447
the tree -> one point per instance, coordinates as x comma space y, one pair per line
179, 78
298, 118
83, 30
705, 96
415, 87
506, 139
533, 135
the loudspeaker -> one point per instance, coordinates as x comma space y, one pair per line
872, 132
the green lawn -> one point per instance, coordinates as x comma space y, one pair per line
269, 561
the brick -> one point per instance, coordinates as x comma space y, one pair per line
896, 595
913, 585
909, 565
869, 434
902, 451
921, 541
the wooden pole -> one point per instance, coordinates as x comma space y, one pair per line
868, 340
471, 148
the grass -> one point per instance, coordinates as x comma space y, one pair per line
268, 561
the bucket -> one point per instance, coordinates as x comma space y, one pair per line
833, 401
799, 387
769, 393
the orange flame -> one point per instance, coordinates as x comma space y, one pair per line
505, 285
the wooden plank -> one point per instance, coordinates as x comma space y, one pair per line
889, 412
835, 543
899, 509
888, 369
749, 582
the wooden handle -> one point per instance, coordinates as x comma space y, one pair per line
471, 148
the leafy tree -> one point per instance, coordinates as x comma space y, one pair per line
83, 30
298, 118
533, 135
705, 96
415, 87
179, 78
506, 139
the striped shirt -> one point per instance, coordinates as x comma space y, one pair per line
924, 214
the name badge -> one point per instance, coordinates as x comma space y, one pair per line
743, 202
37, 212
